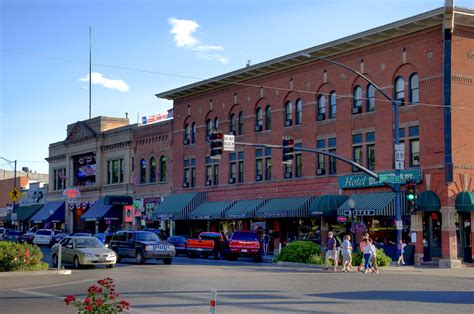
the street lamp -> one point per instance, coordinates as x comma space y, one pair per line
352, 203
395, 103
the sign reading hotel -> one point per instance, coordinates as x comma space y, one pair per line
366, 181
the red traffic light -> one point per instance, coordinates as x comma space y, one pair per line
216, 136
288, 142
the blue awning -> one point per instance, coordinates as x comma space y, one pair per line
99, 211
51, 211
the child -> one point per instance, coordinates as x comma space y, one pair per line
346, 254
373, 257
400, 250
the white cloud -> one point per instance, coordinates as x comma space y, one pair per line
99, 79
183, 31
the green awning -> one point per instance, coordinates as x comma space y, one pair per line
178, 206
210, 210
244, 209
327, 205
465, 201
285, 207
24, 213
428, 201
373, 204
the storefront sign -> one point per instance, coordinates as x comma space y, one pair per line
128, 213
274, 215
72, 193
203, 217
341, 219
365, 181
157, 118
237, 215
317, 213
118, 200
165, 216
361, 212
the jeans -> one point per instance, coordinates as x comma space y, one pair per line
367, 261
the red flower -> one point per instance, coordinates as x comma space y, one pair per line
69, 299
98, 302
89, 308
111, 297
87, 301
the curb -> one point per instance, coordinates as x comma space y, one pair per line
36, 273
390, 268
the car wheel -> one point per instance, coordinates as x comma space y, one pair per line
167, 261
76, 262
139, 258
217, 255
110, 266
55, 260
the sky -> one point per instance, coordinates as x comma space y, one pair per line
144, 47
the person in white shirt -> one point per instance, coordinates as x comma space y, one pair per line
346, 254
373, 257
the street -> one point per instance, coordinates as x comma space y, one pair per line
247, 287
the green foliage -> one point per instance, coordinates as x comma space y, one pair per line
299, 252
382, 259
316, 260
20, 257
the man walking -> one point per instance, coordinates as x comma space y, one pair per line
331, 252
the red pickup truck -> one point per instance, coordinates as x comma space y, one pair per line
245, 243
207, 244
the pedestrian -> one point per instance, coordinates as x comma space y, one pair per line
331, 252
373, 258
266, 242
367, 254
400, 250
346, 254
365, 236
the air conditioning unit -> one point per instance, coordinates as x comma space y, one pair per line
287, 175
231, 180
208, 182
186, 185
258, 128
321, 117
320, 172
258, 178
186, 142
288, 123
356, 110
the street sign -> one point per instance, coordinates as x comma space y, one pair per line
389, 178
14, 194
14, 216
399, 157
229, 142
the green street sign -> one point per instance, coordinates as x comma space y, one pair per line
389, 178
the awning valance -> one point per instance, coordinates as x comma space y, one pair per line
178, 206
51, 211
428, 201
373, 204
465, 201
285, 207
327, 205
99, 211
24, 213
210, 210
244, 209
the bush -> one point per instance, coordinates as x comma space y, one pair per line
299, 252
316, 260
20, 257
382, 258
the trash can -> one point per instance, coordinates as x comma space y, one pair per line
409, 255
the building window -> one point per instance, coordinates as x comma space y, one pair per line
208, 128
187, 135
241, 167
370, 97
216, 173
232, 168
400, 90
241, 123
163, 169
258, 120
321, 108
332, 105
268, 163
414, 137
332, 160
357, 100
142, 171
232, 124
259, 164
212, 169
357, 153
216, 123
414, 89
152, 169
298, 162
299, 112
268, 118
189, 173
59, 179
288, 113
193, 133
320, 158
370, 150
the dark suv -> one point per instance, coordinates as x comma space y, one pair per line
141, 245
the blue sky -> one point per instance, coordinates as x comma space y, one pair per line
45, 49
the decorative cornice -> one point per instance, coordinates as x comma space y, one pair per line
106, 148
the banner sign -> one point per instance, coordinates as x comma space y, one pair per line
366, 181
156, 118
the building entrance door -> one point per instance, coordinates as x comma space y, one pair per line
463, 236
431, 235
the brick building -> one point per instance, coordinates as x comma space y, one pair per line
425, 62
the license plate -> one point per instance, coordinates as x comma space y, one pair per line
102, 260
199, 249
244, 250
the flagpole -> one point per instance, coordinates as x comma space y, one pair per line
90, 71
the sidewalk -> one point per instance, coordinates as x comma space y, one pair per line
35, 273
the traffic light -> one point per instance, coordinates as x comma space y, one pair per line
288, 149
411, 195
217, 144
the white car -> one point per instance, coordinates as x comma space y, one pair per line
44, 237
3, 232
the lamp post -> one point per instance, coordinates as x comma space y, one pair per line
352, 204
14, 179
396, 138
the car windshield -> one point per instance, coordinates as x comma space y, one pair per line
244, 236
82, 243
147, 236
210, 236
13, 232
44, 232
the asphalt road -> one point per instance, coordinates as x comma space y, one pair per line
247, 287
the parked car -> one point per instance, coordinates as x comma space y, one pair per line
207, 244
81, 251
180, 243
104, 237
59, 236
141, 245
82, 234
160, 233
27, 238
245, 243
13, 235
44, 237
3, 232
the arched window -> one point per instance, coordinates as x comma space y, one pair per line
208, 128
142, 171
258, 120
321, 108
241, 123
186, 134
299, 112
216, 123
414, 89
268, 118
400, 90
357, 100
193, 132
332, 105
232, 124
162, 168
152, 169
370, 97
288, 113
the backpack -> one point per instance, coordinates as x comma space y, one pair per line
338, 242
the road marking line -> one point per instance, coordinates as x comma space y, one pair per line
59, 284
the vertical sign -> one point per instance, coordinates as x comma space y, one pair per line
400, 156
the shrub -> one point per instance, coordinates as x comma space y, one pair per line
382, 258
316, 260
20, 257
299, 252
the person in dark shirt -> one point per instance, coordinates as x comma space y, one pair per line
331, 251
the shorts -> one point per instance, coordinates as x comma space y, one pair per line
346, 257
331, 254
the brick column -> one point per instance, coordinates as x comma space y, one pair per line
417, 227
472, 236
324, 231
448, 239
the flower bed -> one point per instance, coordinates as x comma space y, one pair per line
20, 257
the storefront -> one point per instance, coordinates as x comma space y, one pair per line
464, 230
21, 218
241, 215
50, 216
324, 211
429, 204
108, 213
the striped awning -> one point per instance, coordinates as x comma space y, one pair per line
327, 205
285, 207
372, 204
244, 209
210, 210
178, 206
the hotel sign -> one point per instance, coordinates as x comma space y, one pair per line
366, 181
